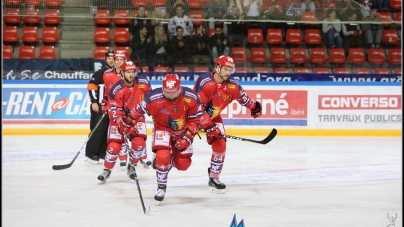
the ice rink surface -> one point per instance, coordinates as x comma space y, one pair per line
291, 182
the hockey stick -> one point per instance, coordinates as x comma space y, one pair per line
268, 139
60, 167
137, 181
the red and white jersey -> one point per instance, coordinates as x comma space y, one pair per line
122, 97
215, 97
174, 117
110, 78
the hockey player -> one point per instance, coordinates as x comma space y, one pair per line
216, 91
97, 144
176, 111
131, 89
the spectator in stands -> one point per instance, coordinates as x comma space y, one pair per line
366, 6
253, 11
217, 10
346, 8
157, 16
200, 47
171, 8
182, 20
373, 32
332, 29
143, 45
161, 47
352, 34
138, 20
308, 4
382, 4
236, 28
220, 43
231, 3
181, 47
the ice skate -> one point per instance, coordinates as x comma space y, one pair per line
215, 185
104, 176
92, 160
161, 192
146, 163
131, 172
123, 165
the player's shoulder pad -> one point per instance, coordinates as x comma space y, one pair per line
233, 84
114, 90
154, 95
142, 80
189, 93
204, 80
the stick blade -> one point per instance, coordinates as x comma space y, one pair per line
270, 137
60, 167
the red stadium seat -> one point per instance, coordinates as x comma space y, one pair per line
317, 56
125, 49
12, 16
181, 69
201, 69
32, 2
297, 55
342, 71
390, 37
241, 70
239, 54
7, 52
27, 52
212, 32
30, 34
313, 37
10, 34
137, 3
274, 36
53, 3
398, 18
50, 35
121, 35
376, 56
294, 36
99, 52
361, 71
337, 56
144, 68
12, 2
302, 70
397, 71
102, 35
308, 17
158, 3
161, 69
254, 36
381, 71
31, 16
261, 70
102, 17
385, 16
356, 56
52, 17
195, 3
394, 56
395, 4
47, 52
321, 70
258, 55
281, 70
197, 17
278, 55
121, 17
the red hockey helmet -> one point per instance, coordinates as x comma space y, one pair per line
224, 60
171, 86
128, 65
120, 54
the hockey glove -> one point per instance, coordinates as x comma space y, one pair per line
124, 124
257, 110
183, 142
213, 133
132, 133
104, 106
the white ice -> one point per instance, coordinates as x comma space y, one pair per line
291, 181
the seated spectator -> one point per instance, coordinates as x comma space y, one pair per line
200, 47
231, 3
332, 29
352, 34
373, 32
171, 8
346, 8
158, 15
382, 4
366, 7
161, 47
219, 43
236, 28
182, 20
139, 19
217, 9
181, 47
308, 5
142, 45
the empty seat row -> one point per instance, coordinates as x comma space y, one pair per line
28, 52
30, 34
31, 16
317, 70
52, 3
103, 35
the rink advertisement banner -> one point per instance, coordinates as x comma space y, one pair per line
289, 107
29, 74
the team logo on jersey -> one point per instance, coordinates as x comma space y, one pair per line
132, 99
219, 95
141, 86
159, 136
231, 86
175, 109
